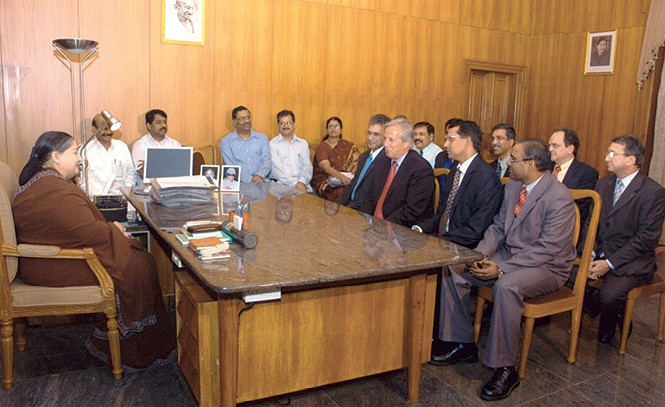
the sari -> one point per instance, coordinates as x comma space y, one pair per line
343, 157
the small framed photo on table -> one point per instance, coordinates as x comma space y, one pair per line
230, 178
211, 172
230, 201
183, 21
600, 53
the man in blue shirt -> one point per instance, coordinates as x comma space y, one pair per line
247, 148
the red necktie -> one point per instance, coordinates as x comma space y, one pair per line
378, 212
521, 201
557, 170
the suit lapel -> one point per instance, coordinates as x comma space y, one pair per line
628, 194
533, 198
570, 173
465, 181
401, 173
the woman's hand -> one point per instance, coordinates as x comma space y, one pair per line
345, 180
122, 229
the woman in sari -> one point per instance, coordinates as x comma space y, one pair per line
51, 210
333, 157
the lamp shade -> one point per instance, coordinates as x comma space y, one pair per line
75, 45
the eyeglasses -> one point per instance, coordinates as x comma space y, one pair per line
612, 154
515, 160
334, 127
373, 134
450, 139
282, 124
244, 118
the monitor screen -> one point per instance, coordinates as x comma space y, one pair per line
167, 162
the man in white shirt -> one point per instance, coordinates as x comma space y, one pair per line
423, 138
289, 154
155, 122
109, 162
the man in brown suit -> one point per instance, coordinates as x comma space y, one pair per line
530, 252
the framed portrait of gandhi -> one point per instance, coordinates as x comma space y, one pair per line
183, 21
600, 53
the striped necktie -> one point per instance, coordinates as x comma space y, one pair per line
618, 190
449, 204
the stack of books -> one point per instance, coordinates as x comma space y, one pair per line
181, 191
209, 248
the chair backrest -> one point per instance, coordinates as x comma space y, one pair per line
441, 171
437, 193
197, 161
8, 181
585, 259
504, 180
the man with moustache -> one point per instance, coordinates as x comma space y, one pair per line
155, 122
402, 189
630, 225
423, 137
472, 193
289, 154
247, 148
110, 164
355, 192
503, 140
529, 252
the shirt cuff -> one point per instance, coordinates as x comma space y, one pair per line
609, 263
416, 228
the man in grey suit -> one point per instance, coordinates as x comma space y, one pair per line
530, 252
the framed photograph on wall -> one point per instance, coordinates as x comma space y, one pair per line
183, 21
600, 53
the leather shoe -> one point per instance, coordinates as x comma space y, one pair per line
459, 353
501, 384
605, 336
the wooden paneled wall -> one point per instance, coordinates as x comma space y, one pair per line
599, 107
319, 58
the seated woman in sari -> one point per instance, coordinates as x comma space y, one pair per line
333, 156
49, 209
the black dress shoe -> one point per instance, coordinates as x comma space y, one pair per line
605, 336
591, 301
501, 384
459, 353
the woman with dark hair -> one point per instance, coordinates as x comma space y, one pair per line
49, 209
600, 55
333, 157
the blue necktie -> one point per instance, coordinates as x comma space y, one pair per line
362, 174
618, 190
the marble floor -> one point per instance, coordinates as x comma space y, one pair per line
55, 370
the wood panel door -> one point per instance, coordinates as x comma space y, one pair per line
493, 96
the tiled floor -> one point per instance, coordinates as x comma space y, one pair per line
55, 370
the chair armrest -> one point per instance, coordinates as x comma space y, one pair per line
37, 250
55, 252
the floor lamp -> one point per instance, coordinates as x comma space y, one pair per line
77, 46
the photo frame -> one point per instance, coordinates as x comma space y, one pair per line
230, 178
229, 201
600, 53
183, 21
212, 173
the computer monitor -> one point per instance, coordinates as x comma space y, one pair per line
167, 162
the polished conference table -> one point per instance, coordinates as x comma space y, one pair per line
356, 293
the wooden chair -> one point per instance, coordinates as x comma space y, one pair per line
504, 180
657, 286
437, 185
202, 155
19, 300
559, 301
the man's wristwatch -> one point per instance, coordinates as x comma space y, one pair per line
500, 272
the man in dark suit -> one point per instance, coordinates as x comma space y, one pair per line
566, 168
472, 194
355, 192
503, 140
630, 224
402, 188
529, 249
572, 172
